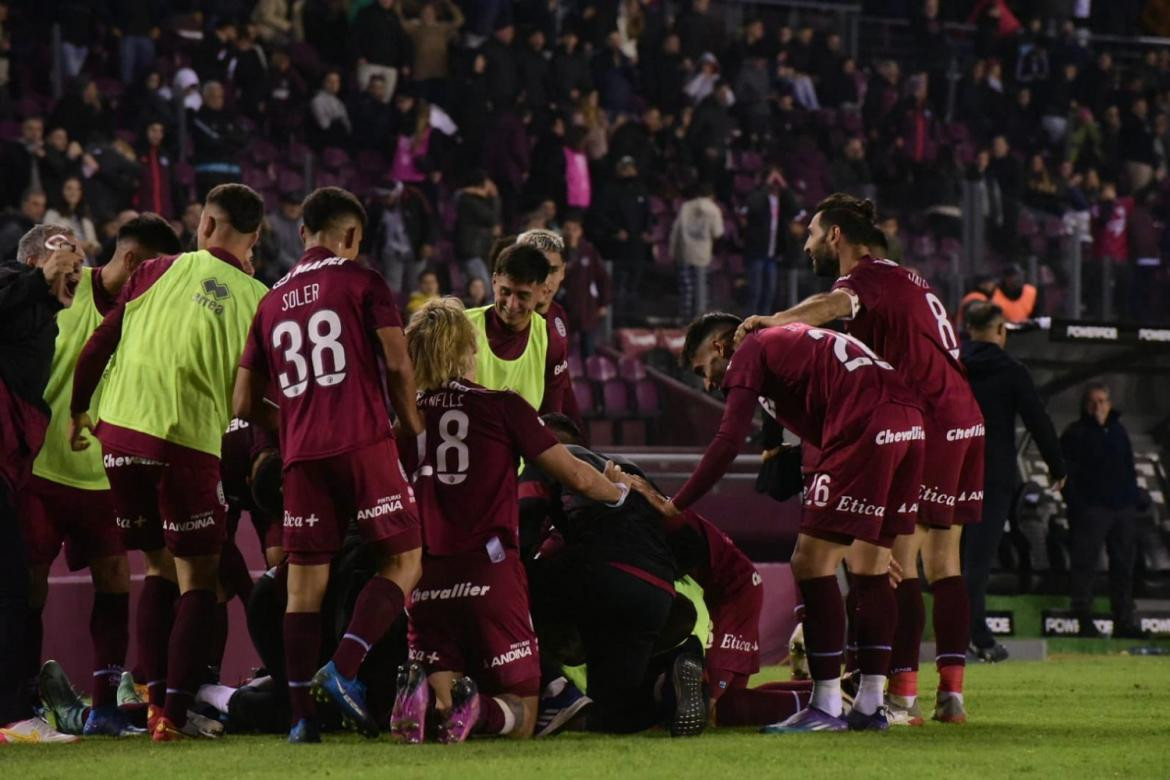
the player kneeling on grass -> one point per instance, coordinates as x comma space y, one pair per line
469, 615
841, 398
319, 337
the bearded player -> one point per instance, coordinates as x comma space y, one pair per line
895, 312
67, 501
839, 397
178, 328
469, 619
318, 338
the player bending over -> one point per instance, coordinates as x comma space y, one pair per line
469, 616
317, 338
895, 312
840, 398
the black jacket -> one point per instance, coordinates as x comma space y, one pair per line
758, 217
475, 217
1100, 464
378, 37
1003, 387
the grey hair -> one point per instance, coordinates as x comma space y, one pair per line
32, 243
544, 240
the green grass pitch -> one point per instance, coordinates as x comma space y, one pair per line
1073, 716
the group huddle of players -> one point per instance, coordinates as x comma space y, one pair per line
447, 559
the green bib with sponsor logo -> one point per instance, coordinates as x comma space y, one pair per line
524, 375
173, 373
56, 461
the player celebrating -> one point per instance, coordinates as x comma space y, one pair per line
469, 614
178, 327
68, 496
514, 350
318, 337
842, 399
894, 311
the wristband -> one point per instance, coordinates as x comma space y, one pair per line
623, 491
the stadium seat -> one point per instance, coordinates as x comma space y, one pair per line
647, 402
672, 340
261, 151
615, 399
586, 402
333, 159
631, 369
576, 367
633, 342
600, 369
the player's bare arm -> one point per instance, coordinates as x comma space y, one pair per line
400, 381
814, 310
248, 402
581, 478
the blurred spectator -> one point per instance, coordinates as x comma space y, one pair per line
428, 290
534, 73
637, 139
372, 118
78, 32
402, 234
1060, 103
703, 82
431, 36
586, 290
697, 227
850, 172
595, 125
1102, 496
247, 72
890, 229
137, 26
475, 294
1110, 248
477, 222
1015, 298
217, 138
327, 30
700, 30
71, 211
981, 289
284, 224
14, 223
766, 214
578, 192
570, 68
114, 172
1006, 171
83, 113
1140, 291
614, 76
1083, 139
1041, 191
62, 158
273, 21
664, 76
331, 125
215, 51
192, 213
286, 98
22, 160
622, 223
502, 81
1136, 146
381, 44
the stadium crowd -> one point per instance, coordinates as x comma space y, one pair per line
459, 121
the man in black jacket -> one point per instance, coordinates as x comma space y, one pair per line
381, 45
32, 291
1004, 389
1102, 497
766, 215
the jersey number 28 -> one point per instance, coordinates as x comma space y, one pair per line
453, 427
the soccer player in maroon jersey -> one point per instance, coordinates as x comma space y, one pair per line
842, 399
318, 336
895, 312
469, 616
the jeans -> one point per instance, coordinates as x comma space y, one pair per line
1116, 529
401, 271
137, 54
692, 292
980, 544
762, 274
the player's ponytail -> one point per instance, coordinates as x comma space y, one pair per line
441, 343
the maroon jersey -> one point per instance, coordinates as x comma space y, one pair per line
818, 383
315, 337
464, 465
897, 314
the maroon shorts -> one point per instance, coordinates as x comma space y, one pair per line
867, 488
321, 497
470, 615
52, 514
952, 477
179, 506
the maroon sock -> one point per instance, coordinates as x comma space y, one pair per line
302, 653
758, 706
851, 625
34, 637
233, 572
800, 686
491, 717
824, 626
876, 619
156, 617
109, 628
911, 620
376, 609
952, 622
187, 651
218, 639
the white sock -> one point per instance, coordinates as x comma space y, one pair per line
826, 696
904, 702
943, 694
509, 718
217, 696
870, 693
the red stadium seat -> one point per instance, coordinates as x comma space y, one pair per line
261, 151
576, 367
600, 369
647, 402
636, 341
333, 159
631, 369
615, 399
672, 340
586, 402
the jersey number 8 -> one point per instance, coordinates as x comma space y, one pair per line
323, 331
